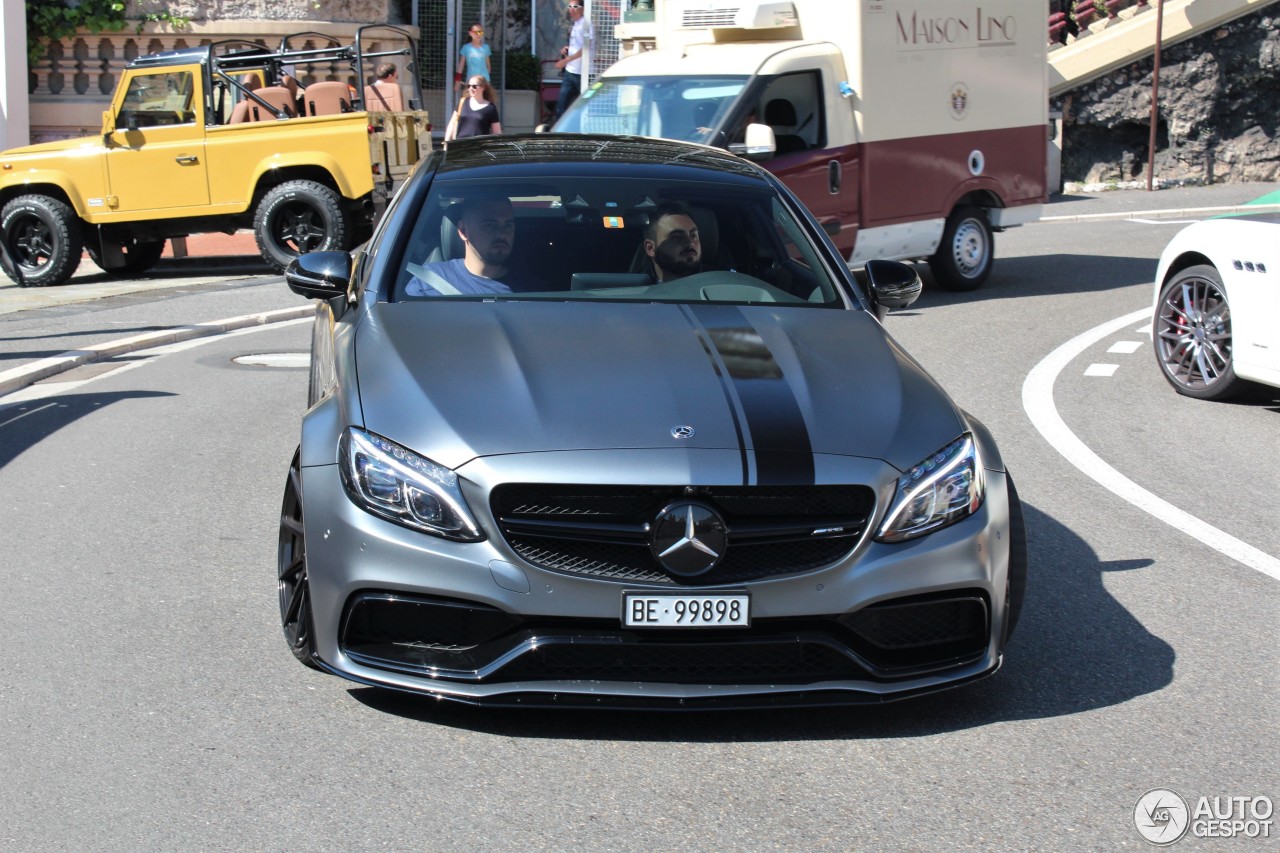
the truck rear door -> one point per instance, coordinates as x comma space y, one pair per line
156, 154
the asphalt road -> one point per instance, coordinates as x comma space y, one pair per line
149, 702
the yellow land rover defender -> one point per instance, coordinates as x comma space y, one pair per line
217, 138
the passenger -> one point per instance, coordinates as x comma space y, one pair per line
487, 227
671, 241
384, 92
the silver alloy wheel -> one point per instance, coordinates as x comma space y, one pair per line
1192, 334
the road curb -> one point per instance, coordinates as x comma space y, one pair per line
1166, 213
20, 377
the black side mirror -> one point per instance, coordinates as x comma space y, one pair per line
893, 285
319, 275
10, 264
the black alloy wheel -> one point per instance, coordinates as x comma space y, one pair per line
43, 235
1191, 332
1016, 590
299, 217
295, 592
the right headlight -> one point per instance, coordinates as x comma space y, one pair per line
397, 484
941, 489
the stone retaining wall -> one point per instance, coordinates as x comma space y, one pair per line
1219, 112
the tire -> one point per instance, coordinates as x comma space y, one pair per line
967, 251
1191, 333
295, 587
299, 217
1016, 590
44, 236
139, 256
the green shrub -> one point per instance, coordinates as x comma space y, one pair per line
523, 71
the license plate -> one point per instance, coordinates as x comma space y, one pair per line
686, 611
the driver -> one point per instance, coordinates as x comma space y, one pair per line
671, 241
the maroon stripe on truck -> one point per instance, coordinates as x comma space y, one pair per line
923, 177
904, 180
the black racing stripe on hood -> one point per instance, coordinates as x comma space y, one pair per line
730, 399
779, 436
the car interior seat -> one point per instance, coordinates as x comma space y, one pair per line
780, 114
327, 98
384, 97
280, 99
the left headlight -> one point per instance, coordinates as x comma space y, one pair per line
397, 484
943, 488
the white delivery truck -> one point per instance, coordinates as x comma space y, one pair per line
911, 129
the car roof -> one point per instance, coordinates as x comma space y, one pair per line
579, 148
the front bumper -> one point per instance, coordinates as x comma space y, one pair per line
473, 622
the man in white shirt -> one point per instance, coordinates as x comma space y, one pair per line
487, 227
571, 57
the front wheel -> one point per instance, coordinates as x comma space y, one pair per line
1191, 332
299, 217
1016, 589
965, 255
139, 256
295, 588
43, 235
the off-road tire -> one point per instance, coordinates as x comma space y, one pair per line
44, 236
299, 217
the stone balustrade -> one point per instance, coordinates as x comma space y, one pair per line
73, 82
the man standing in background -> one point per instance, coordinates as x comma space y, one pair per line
572, 57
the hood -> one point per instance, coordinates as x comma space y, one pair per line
55, 147
459, 380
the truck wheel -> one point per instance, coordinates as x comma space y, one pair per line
964, 257
139, 256
299, 217
44, 236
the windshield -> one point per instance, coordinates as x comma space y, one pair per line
601, 237
689, 108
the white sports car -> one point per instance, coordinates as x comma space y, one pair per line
1217, 300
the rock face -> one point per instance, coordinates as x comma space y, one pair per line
1219, 112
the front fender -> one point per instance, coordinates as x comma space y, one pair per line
85, 189
349, 185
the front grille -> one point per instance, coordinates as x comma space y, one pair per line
703, 18
782, 660
899, 632
603, 531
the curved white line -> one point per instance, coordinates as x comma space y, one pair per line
1037, 400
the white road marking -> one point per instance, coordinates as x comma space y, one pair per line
1037, 400
140, 358
1101, 370
26, 413
1126, 347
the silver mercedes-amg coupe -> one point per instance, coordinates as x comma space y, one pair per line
608, 421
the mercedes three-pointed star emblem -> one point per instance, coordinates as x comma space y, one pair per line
688, 538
